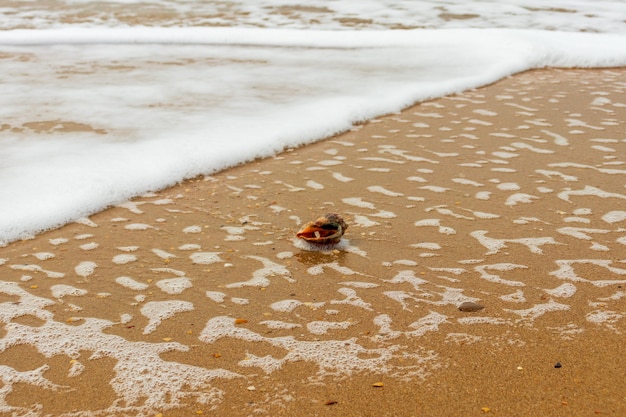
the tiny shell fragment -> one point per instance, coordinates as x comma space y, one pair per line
240, 321
378, 384
469, 306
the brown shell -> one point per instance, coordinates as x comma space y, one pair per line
327, 229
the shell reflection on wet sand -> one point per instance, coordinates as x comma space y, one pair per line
509, 197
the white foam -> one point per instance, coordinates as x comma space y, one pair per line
176, 272
315, 185
277, 324
319, 269
539, 310
322, 327
286, 306
158, 311
124, 259
163, 254
37, 268
351, 298
331, 356
174, 285
85, 268
342, 178
516, 297
89, 246
131, 283
60, 291
260, 277
495, 245
358, 202
206, 258
128, 248
384, 191
614, 216
348, 75
426, 245
359, 284
216, 296
517, 198
484, 274
563, 291
138, 226
363, 221
189, 246
602, 317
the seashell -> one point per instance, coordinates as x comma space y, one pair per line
327, 229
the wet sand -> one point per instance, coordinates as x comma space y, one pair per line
195, 299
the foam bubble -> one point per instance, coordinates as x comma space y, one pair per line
138, 226
163, 254
319, 269
174, 285
285, 306
89, 246
322, 327
358, 202
124, 259
157, 311
518, 198
85, 268
516, 297
216, 296
614, 216
60, 291
482, 270
359, 284
363, 221
37, 268
260, 277
539, 310
206, 258
189, 246
131, 283
331, 356
563, 291
58, 241
277, 324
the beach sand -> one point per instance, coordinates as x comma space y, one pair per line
196, 300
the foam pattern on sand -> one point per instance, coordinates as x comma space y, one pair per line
166, 315
95, 115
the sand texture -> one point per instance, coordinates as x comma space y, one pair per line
198, 300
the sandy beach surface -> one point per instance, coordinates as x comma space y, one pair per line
197, 300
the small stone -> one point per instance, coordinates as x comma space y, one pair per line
558, 365
378, 384
330, 402
251, 388
469, 306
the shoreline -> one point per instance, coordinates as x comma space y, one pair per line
509, 196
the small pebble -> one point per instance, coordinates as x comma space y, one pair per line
469, 306
251, 388
557, 365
